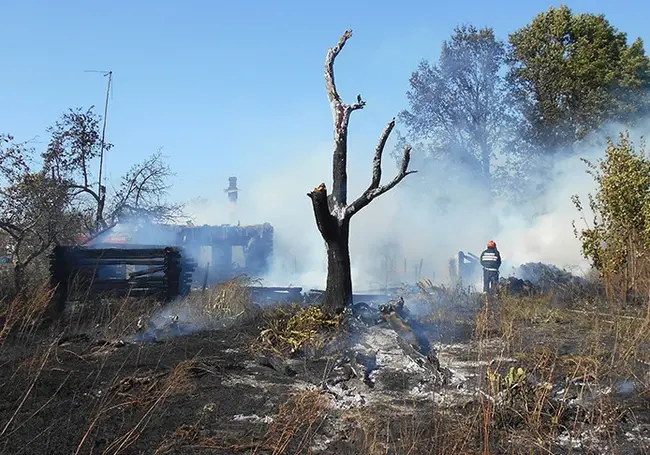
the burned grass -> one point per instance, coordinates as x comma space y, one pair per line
540, 377
575, 379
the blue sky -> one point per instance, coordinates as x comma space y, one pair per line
232, 88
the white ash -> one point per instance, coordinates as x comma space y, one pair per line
640, 433
590, 439
253, 418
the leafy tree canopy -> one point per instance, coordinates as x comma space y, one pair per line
457, 108
569, 73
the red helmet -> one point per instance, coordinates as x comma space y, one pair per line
491, 244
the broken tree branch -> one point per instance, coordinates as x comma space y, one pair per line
84, 189
324, 220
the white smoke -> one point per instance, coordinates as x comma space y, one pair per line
405, 228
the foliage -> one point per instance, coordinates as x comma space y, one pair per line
59, 200
33, 217
75, 141
569, 73
457, 107
618, 239
13, 159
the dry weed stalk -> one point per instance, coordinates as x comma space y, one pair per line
148, 392
378, 430
23, 314
34, 380
228, 300
598, 349
299, 417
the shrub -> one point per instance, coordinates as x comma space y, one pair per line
617, 239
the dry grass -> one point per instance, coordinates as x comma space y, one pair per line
296, 424
145, 393
289, 329
23, 314
568, 360
581, 349
228, 301
578, 354
292, 430
380, 430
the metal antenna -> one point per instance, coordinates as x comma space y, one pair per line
101, 152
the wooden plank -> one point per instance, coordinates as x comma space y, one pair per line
87, 263
147, 271
117, 253
121, 286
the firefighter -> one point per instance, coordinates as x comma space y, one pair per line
491, 261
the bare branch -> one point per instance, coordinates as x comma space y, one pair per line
332, 93
374, 190
84, 189
379, 151
11, 229
360, 104
142, 192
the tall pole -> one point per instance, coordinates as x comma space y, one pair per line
101, 152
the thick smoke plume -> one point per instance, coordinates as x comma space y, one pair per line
406, 234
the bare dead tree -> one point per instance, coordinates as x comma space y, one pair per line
143, 193
332, 212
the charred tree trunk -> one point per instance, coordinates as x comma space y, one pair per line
336, 234
339, 274
332, 212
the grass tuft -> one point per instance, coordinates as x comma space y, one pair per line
289, 329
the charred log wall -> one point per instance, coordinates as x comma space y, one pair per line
256, 242
134, 271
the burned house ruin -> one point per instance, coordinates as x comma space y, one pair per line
223, 252
464, 268
164, 258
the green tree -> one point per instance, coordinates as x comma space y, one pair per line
33, 216
570, 73
617, 240
457, 110
75, 141
74, 146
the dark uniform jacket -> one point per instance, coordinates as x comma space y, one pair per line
491, 259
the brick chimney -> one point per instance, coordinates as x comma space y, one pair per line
233, 193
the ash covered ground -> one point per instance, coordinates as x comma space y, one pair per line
435, 371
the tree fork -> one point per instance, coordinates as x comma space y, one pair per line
332, 212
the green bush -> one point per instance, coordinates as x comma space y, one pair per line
617, 239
